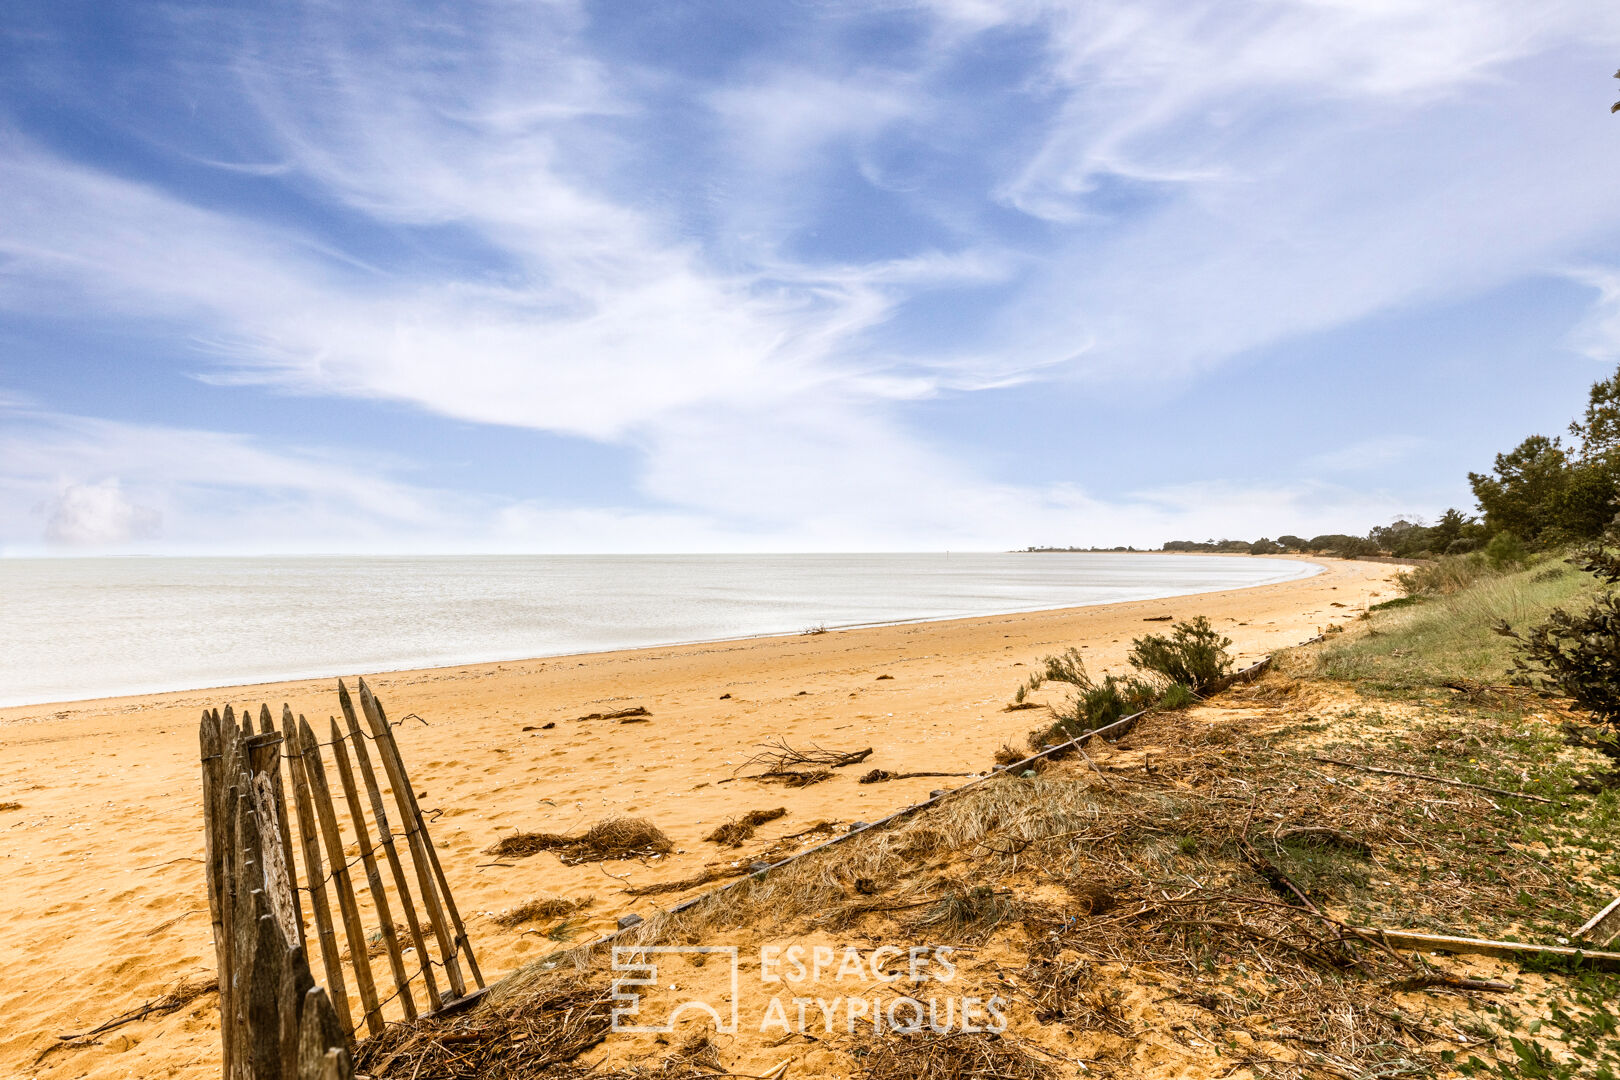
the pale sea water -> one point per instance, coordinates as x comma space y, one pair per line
83, 628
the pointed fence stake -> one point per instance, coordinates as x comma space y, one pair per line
314, 871
421, 846
374, 881
342, 884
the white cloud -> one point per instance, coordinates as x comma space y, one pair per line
1598, 335
99, 514
1297, 166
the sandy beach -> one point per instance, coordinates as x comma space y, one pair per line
104, 905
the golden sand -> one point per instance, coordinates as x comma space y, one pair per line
102, 904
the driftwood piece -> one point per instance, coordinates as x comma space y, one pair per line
623, 716
879, 776
342, 884
463, 945
379, 813
315, 871
415, 836
1603, 929
374, 881
1432, 779
1510, 950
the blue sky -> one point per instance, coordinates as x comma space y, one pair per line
808, 275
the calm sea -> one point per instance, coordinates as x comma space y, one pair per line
82, 628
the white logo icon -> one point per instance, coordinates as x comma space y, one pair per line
644, 972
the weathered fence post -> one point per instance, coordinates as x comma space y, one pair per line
275, 1024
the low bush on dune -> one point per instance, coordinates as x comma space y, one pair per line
1177, 671
1194, 655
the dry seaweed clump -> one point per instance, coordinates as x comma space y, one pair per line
614, 838
550, 907
733, 833
954, 1056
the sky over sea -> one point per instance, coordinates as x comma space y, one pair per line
788, 275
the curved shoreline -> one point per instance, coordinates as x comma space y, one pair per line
334, 670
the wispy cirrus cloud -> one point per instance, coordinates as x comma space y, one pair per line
741, 268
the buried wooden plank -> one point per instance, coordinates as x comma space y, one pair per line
1509, 950
1603, 929
1433, 779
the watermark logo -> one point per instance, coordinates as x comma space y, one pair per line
634, 988
901, 990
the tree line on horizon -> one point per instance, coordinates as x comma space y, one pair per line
1544, 493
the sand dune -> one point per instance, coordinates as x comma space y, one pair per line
103, 905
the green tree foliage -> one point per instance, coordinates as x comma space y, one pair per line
1599, 430
1524, 491
1549, 494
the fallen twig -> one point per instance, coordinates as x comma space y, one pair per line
1434, 779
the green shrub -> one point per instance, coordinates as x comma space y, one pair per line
1575, 655
1442, 577
1176, 696
1094, 704
1067, 666
1506, 552
1194, 655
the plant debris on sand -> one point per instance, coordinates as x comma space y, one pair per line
528, 1029
733, 833
954, 1056
617, 714
777, 756
551, 907
614, 838
526, 1034
180, 995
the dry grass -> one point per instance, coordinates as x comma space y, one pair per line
955, 1056
614, 838
541, 1032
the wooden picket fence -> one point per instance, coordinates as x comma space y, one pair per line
275, 1020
